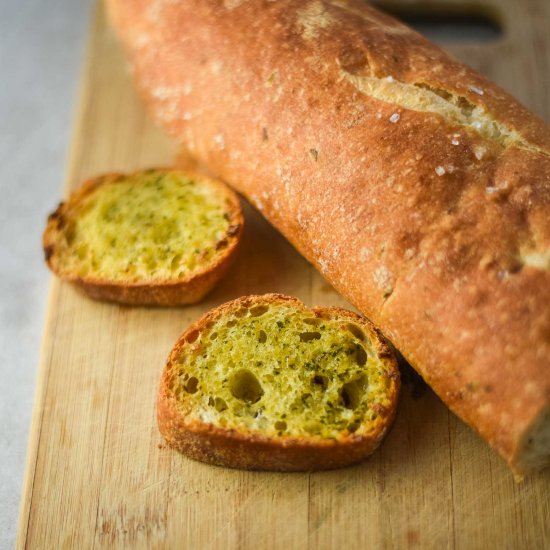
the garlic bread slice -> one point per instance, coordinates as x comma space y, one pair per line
155, 237
265, 383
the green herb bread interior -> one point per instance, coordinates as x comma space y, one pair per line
158, 237
265, 383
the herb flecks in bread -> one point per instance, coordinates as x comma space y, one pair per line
165, 226
145, 231
267, 367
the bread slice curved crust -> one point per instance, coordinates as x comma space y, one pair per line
149, 291
241, 447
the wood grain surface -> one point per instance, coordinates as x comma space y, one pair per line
98, 474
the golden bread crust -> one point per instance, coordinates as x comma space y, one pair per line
169, 292
255, 451
438, 231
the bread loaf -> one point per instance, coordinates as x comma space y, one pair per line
265, 383
418, 188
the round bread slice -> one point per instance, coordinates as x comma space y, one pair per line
264, 383
155, 237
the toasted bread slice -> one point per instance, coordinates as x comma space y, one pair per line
156, 237
264, 383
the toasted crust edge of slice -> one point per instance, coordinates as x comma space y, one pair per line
251, 451
146, 293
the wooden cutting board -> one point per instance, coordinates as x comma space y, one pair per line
98, 474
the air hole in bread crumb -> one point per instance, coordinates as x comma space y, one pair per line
280, 426
309, 336
256, 311
220, 404
356, 331
82, 251
213, 336
319, 381
353, 426
306, 399
313, 321
192, 336
361, 356
175, 262
192, 385
245, 386
262, 338
351, 392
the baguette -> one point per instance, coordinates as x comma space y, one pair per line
264, 383
417, 187
154, 237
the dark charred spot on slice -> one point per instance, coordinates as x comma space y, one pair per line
221, 244
57, 216
48, 251
233, 229
379, 409
385, 353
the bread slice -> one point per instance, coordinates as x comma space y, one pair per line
264, 383
155, 237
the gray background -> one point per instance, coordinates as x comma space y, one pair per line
41, 47
41, 52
